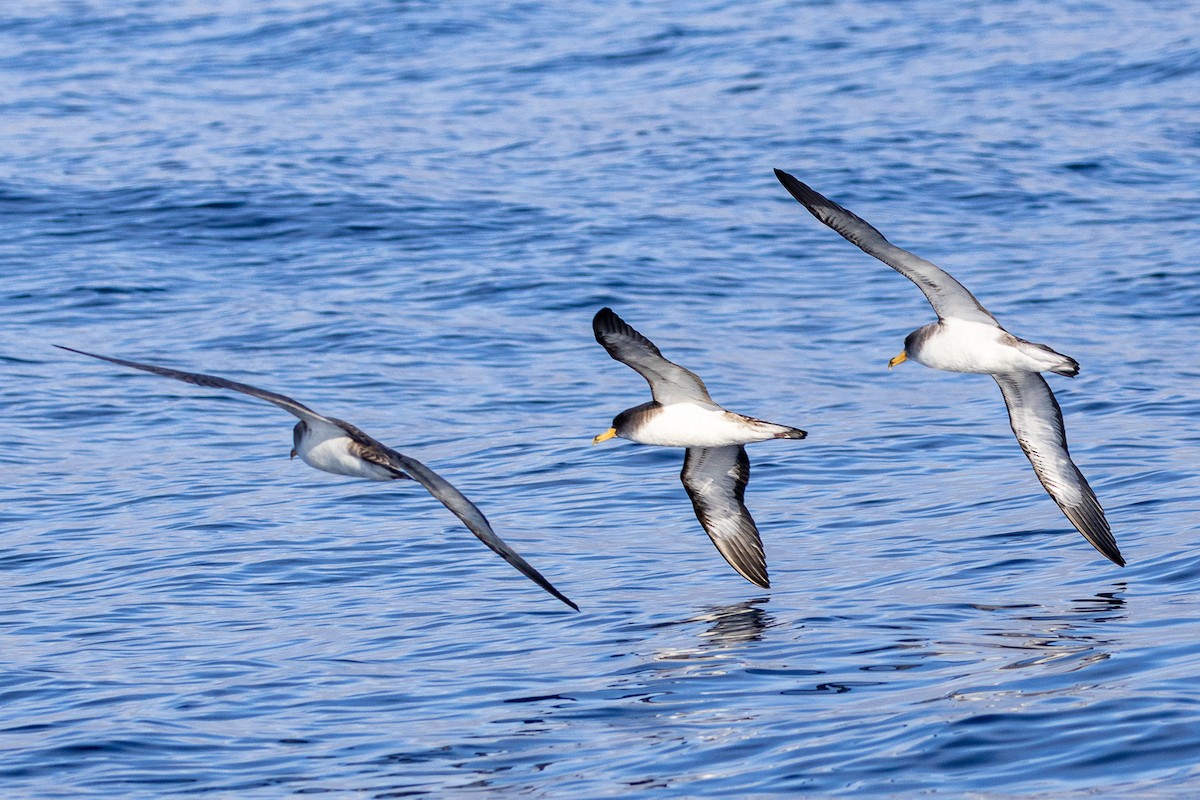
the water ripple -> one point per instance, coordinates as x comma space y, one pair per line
405, 215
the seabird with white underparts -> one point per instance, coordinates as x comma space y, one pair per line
967, 338
332, 445
715, 468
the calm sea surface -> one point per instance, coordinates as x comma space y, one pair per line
405, 214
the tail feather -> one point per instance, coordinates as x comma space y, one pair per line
772, 430
1069, 367
1055, 361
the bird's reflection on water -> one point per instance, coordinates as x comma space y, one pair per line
1047, 642
1054, 627
728, 626
733, 624
1107, 606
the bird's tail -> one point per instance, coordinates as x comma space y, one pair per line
1049, 359
778, 431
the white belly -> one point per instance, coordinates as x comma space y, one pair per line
332, 454
688, 425
961, 346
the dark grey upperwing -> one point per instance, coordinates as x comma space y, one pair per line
472, 517
948, 297
715, 479
1037, 421
213, 382
669, 382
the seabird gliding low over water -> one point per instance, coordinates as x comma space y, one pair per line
335, 446
715, 468
967, 338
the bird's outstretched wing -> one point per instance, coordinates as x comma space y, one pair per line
1037, 421
715, 479
371, 450
669, 382
949, 298
470, 515
213, 382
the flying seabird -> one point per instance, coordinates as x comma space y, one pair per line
715, 468
967, 338
335, 446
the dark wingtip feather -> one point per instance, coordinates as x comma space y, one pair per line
606, 321
1110, 551
755, 571
805, 194
80, 352
529, 572
799, 190
549, 587
1089, 520
750, 565
604, 318
792, 433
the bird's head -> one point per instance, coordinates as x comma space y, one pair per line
913, 344
622, 423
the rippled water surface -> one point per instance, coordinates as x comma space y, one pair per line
405, 214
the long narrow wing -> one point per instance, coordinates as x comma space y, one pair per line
948, 297
669, 382
213, 382
1037, 421
473, 518
715, 479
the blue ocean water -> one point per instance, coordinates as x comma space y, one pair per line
405, 214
